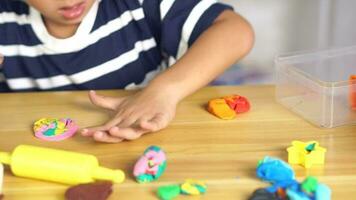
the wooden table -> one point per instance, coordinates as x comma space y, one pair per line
200, 146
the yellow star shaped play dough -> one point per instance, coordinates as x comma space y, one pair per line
306, 153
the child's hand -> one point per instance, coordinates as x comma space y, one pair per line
146, 111
154, 107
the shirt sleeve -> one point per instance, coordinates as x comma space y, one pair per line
13, 6
178, 23
5, 6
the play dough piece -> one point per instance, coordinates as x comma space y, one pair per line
322, 192
150, 165
229, 106
92, 191
238, 103
309, 185
274, 170
168, 192
51, 129
262, 194
193, 187
219, 108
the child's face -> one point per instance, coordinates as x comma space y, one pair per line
63, 12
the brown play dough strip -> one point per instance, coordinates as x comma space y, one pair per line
92, 191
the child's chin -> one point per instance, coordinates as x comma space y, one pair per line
71, 22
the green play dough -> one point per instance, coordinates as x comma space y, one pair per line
145, 178
161, 169
310, 147
168, 192
51, 132
310, 184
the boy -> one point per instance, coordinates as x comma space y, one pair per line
107, 44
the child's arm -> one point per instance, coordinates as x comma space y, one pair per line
222, 44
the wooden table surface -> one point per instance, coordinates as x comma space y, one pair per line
198, 145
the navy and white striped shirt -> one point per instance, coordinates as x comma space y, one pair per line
119, 44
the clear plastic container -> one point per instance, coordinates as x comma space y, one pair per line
317, 86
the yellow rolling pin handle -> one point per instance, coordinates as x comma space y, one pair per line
5, 158
116, 176
58, 166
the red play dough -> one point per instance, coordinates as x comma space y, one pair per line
238, 103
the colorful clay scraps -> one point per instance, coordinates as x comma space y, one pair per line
51, 129
353, 92
309, 189
228, 107
189, 187
91, 191
150, 165
306, 154
193, 187
284, 186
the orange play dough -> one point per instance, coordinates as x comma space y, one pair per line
219, 108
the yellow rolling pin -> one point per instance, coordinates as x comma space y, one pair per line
58, 166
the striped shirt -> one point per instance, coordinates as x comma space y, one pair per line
119, 44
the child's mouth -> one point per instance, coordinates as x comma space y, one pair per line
72, 12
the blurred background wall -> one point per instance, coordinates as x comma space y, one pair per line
289, 25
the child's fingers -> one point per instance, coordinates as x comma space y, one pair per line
157, 123
127, 122
89, 131
129, 133
144, 119
113, 122
110, 103
101, 136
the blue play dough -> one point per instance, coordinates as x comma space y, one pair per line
322, 192
281, 175
274, 170
296, 195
